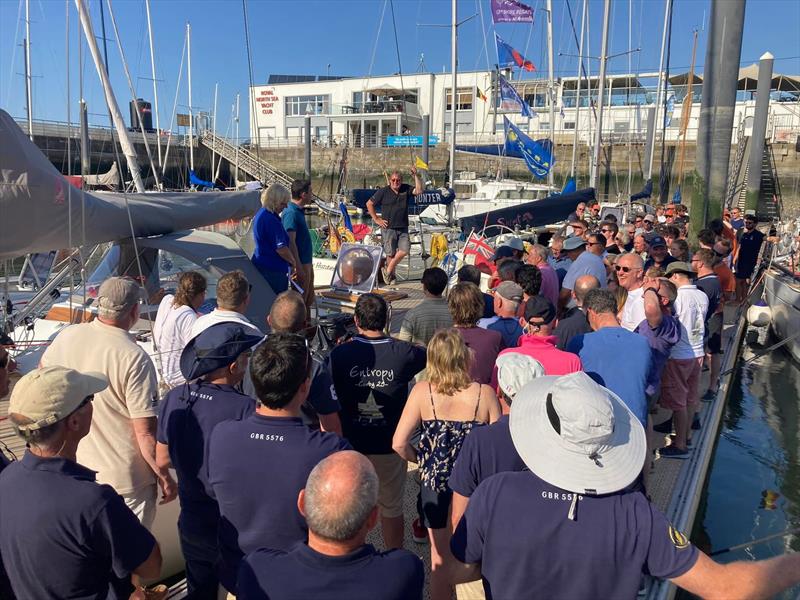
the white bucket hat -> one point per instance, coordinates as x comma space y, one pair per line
577, 435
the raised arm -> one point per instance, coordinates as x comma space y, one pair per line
419, 186
652, 305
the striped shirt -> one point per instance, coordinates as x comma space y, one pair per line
425, 319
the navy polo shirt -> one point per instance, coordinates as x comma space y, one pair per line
62, 535
256, 469
517, 527
371, 377
269, 236
486, 452
187, 416
363, 574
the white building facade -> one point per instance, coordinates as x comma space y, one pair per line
370, 111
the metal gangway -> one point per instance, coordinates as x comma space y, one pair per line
254, 166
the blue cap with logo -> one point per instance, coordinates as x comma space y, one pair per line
214, 348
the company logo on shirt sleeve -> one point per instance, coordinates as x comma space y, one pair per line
679, 540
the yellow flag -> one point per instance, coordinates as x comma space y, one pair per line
420, 164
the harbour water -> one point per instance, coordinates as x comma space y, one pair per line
753, 490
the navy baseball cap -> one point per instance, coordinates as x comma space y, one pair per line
503, 252
539, 307
214, 348
656, 241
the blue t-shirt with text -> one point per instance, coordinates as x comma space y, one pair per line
256, 469
517, 527
619, 360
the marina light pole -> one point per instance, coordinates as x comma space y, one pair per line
765, 64
598, 134
236, 160
551, 92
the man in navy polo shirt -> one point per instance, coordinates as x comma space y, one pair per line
257, 466
489, 450
371, 374
568, 528
339, 503
62, 535
213, 364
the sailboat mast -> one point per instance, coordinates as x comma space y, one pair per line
236, 160
453, 92
598, 134
659, 89
28, 77
116, 115
214, 131
191, 115
578, 94
155, 86
551, 92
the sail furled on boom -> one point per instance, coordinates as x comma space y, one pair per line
40, 211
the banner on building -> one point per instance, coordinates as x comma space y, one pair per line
511, 100
410, 140
509, 57
511, 11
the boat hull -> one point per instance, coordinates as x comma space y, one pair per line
783, 297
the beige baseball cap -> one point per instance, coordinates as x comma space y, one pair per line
47, 395
118, 294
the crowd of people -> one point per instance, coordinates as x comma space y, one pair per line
526, 409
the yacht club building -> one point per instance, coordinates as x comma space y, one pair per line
373, 111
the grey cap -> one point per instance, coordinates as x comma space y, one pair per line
116, 295
510, 291
573, 242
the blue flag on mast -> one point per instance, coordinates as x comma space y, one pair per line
510, 98
538, 154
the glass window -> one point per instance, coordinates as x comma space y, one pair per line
307, 105
465, 99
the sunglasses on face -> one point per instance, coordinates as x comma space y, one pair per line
394, 180
624, 269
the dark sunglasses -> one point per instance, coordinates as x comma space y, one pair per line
619, 268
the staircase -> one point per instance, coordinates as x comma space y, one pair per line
737, 176
769, 196
255, 167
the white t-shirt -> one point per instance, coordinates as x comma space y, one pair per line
171, 332
111, 448
219, 315
633, 310
691, 306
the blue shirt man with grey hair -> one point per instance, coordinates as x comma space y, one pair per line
339, 504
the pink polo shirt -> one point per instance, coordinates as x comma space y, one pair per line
543, 349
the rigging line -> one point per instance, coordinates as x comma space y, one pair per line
69, 153
454, 94
13, 54
253, 107
374, 50
662, 188
583, 67
133, 95
175, 103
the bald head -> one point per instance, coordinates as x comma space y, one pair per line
583, 284
340, 495
288, 313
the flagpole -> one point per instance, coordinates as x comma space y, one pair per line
598, 134
551, 87
453, 104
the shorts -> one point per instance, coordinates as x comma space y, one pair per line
277, 280
394, 240
142, 503
744, 271
679, 383
714, 334
471, 591
434, 507
391, 470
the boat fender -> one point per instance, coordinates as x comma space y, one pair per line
759, 315
438, 247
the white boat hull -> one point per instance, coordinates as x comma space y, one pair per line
783, 297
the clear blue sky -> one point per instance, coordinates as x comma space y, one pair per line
304, 37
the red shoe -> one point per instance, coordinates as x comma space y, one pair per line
419, 533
